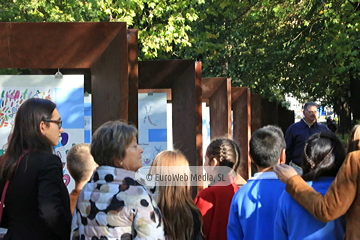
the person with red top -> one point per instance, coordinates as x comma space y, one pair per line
214, 201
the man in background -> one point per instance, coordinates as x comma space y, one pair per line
297, 134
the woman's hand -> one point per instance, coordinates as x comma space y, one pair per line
284, 172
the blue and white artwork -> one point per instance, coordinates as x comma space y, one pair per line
205, 127
87, 118
152, 125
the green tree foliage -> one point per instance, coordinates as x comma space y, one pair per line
275, 47
280, 46
162, 24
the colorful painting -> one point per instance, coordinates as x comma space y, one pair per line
67, 93
12, 98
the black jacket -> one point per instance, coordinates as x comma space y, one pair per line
37, 201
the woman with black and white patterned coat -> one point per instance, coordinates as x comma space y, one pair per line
113, 205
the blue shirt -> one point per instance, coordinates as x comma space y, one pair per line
253, 208
294, 222
296, 136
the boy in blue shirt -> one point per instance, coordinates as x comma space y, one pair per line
253, 207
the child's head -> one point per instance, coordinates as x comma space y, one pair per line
171, 163
266, 146
354, 139
80, 162
175, 202
223, 152
323, 156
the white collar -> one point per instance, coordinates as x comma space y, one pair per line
264, 175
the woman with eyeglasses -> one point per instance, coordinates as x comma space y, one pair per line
36, 200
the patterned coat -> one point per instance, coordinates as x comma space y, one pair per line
114, 206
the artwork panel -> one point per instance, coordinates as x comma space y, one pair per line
151, 150
70, 104
152, 110
152, 124
157, 135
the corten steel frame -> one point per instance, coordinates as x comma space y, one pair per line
256, 122
216, 92
98, 50
285, 117
265, 112
133, 71
241, 106
183, 77
255, 112
164, 90
273, 113
269, 112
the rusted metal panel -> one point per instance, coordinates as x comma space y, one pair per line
273, 113
55, 45
109, 82
217, 92
241, 105
97, 50
255, 112
133, 71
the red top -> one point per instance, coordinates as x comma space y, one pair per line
214, 204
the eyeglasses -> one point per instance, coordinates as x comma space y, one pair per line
58, 122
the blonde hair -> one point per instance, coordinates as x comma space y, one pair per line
354, 139
175, 202
80, 163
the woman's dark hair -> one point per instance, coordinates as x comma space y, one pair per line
226, 151
26, 134
323, 156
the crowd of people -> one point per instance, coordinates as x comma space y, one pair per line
305, 187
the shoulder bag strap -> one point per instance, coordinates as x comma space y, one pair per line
2, 203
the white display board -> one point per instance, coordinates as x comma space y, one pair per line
152, 125
67, 93
87, 118
205, 128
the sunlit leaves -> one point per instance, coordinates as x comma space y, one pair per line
303, 47
306, 48
162, 24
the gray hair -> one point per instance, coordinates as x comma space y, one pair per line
110, 140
